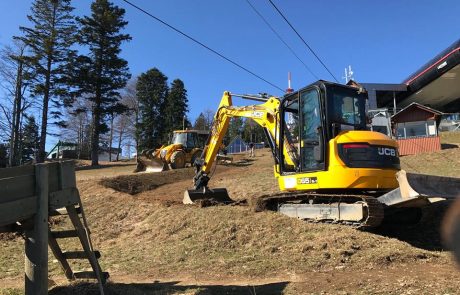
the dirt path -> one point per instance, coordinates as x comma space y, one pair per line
423, 279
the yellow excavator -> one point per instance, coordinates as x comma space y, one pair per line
329, 166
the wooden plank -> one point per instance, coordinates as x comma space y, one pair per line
36, 242
17, 171
53, 182
63, 198
15, 188
57, 252
18, 210
80, 254
62, 211
67, 177
83, 235
64, 234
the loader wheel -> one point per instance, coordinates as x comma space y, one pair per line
178, 160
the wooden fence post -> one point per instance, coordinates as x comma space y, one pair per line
36, 242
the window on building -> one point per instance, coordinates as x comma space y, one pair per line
381, 129
416, 129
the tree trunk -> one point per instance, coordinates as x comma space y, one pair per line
136, 133
46, 95
120, 136
111, 137
16, 122
44, 124
95, 133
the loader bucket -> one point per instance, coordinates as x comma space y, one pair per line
417, 190
147, 164
216, 195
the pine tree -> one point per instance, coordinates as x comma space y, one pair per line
176, 107
200, 123
151, 91
101, 73
30, 140
49, 39
235, 127
252, 132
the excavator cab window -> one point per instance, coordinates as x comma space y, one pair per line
302, 130
291, 131
346, 109
311, 143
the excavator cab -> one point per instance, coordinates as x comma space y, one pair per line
314, 115
326, 125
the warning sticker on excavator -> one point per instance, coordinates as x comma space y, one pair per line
307, 180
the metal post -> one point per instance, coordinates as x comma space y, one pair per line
36, 243
394, 102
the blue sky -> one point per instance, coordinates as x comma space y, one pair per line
384, 41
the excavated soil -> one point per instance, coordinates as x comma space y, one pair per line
141, 182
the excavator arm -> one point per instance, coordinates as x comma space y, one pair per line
266, 115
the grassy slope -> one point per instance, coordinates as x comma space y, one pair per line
150, 240
444, 163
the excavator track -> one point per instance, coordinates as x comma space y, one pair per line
372, 209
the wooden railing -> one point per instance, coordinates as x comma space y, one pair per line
28, 196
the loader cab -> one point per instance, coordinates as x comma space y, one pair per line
310, 117
190, 139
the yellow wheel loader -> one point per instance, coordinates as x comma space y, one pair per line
329, 166
185, 147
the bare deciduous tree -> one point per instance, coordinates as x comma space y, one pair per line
15, 74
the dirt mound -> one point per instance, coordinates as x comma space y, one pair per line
137, 183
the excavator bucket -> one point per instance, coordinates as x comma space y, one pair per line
216, 195
149, 161
417, 190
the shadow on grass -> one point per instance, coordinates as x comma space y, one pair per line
445, 146
424, 234
104, 166
168, 288
240, 163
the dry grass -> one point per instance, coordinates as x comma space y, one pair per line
216, 250
443, 163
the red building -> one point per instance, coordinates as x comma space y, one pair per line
416, 129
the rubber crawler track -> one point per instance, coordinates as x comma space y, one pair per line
373, 215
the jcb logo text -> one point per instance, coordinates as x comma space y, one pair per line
386, 152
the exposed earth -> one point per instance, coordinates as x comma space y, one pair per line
153, 244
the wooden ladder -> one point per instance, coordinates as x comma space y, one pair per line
81, 231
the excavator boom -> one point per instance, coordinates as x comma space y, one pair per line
263, 114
